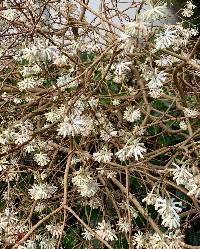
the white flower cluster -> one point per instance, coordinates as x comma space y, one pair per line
41, 159
19, 134
123, 225
155, 12
174, 36
23, 132
166, 60
9, 14
126, 43
28, 83
38, 51
85, 183
105, 231
189, 178
55, 230
71, 126
122, 68
107, 132
74, 125
189, 113
103, 155
131, 114
7, 218
156, 82
66, 81
132, 148
150, 198
172, 240
42, 191
87, 235
166, 38
10, 225
138, 28
183, 125
141, 27
188, 10
30, 71
54, 115
169, 209
39, 242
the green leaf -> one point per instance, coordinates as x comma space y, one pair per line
69, 240
105, 101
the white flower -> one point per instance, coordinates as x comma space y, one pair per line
105, 231
157, 242
3, 164
132, 148
55, 230
194, 186
150, 199
165, 39
131, 114
9, 14
187, 12
42, 191
139, 239
168, 209
123, 225
41, 159
61, 60
29, 71
116, 102
28, 244
87, 235
191, 113
40, 207
190, 5
155, 12
164, 60
157, 79
86, 185
103, 155
47, 243
11, 174
122, 67
7, 218
181, 174
108, 132
52, 116
66, 81
93, 102
156, 92
95, 203
71, 126
183, 125
38, 51
175, 240
138, 28
27, 83
127, 43
156, 83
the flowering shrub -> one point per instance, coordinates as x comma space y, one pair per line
100, 128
